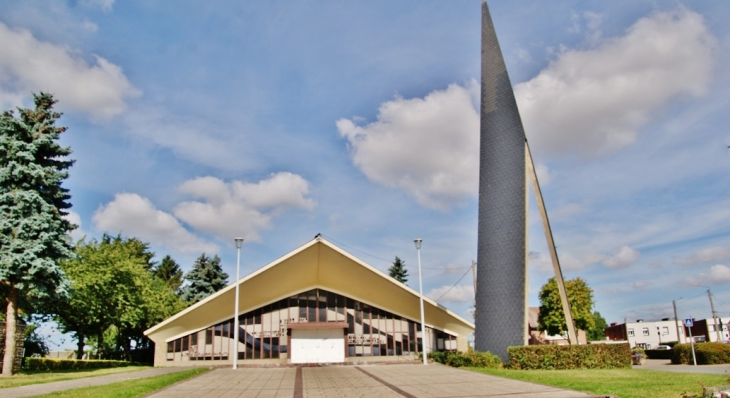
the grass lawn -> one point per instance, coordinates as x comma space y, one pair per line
625, 383
36, 377
129, 388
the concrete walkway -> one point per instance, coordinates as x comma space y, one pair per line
667, 366
357, 381
47, 388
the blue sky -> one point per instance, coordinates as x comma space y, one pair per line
195, 123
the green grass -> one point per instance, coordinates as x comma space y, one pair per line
626, 383
129, 388
37, 377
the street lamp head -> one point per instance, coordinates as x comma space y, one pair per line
239, 242
418, 241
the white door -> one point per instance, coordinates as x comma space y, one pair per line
317, 346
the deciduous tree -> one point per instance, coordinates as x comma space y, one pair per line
552, 317
33, 231
206, 278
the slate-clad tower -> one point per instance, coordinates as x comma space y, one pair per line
501, 263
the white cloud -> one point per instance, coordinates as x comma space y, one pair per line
428, 146
595, 101
136, 216
719, 275
238, 208
706, 255
568, 262
75, 218
27, 64
104, 5
457, 294
622, 258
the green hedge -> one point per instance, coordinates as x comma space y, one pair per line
659, 354
71, 364
590, 356
706, 353
471, 359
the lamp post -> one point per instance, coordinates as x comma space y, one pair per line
418, 241
239, 243
714, 314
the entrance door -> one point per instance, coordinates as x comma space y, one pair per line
317, 346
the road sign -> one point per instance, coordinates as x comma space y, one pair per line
688, 322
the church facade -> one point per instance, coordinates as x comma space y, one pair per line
317, 304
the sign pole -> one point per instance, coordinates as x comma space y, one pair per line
689, 323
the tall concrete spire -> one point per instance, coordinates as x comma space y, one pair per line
501, 313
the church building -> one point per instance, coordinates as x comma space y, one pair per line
316, 304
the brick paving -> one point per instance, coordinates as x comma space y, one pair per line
357, 381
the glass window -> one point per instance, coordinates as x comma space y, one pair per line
665, 330
631, 332
645, 331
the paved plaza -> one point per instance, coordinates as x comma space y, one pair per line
357, 381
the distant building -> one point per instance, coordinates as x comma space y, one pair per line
647, 334
538, 337
705, 329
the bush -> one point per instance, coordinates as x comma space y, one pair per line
71, 364
591, 356
472, 359
706, 353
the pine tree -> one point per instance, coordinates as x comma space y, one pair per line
206, 278
33, 230
398, 270
169, 271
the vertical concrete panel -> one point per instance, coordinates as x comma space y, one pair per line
501, 277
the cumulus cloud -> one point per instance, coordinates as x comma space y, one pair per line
429, 147
75, 218
568, 262
706, 255
622, 258
241, 209
719, 275
457, 294
134, 215
595, 101
27, 64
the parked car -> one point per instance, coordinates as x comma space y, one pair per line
662, 347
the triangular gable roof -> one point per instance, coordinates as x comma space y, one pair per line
316, 264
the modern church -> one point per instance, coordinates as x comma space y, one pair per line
317, 304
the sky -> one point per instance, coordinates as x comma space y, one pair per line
196, 123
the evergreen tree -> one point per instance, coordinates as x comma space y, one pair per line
169, 271
33, 203
206, 278
398, 270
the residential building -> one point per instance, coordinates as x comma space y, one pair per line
647, 334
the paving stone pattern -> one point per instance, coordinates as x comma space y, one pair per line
358, 381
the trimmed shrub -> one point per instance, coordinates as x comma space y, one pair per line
472, 359
706, 353
71, 364
591, 356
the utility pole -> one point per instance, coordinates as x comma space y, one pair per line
474, 274
676, 323
718, 325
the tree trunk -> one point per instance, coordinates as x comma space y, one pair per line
80, 347
100, 342
10, 326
